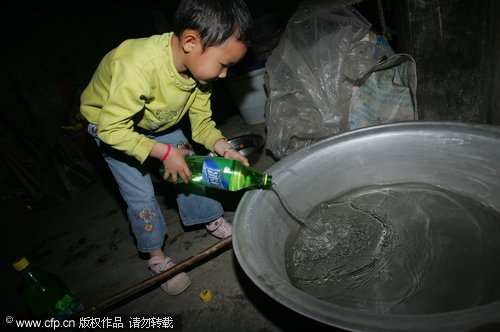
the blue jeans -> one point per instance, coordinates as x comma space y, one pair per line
136, 188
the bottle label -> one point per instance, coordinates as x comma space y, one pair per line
213, 174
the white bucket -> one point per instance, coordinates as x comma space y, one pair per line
249, 94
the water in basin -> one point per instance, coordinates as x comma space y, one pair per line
401, 249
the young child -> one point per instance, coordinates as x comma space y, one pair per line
138, 94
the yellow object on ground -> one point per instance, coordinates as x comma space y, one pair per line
206, 295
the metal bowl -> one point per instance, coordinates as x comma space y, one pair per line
249, 145
456, 157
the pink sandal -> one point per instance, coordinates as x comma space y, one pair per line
175, 285
220, 228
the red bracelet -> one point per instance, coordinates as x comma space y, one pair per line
166, 153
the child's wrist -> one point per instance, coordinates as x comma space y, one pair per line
167, 152
227, 150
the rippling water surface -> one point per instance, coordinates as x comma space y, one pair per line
405, 249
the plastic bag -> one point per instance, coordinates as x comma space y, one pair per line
326, 50
386, 95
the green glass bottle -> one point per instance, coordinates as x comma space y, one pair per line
221, 173
45, 294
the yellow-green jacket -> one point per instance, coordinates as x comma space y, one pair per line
137, 84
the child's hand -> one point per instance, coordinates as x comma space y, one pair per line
225, 150
176, 166
233, 154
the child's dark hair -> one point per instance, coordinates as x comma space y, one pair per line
215, 20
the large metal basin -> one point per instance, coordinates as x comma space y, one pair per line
461, 158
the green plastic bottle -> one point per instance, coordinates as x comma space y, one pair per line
45, 294
221, 173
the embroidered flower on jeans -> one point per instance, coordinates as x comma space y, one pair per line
185, 146
147, 215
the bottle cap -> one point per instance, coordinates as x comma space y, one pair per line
21, 264
206, 295
268, 180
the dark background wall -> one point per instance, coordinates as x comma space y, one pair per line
456, 46
51, 51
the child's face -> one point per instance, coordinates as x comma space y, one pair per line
213, 62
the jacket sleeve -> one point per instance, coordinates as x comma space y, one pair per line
200, 115
124, 103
